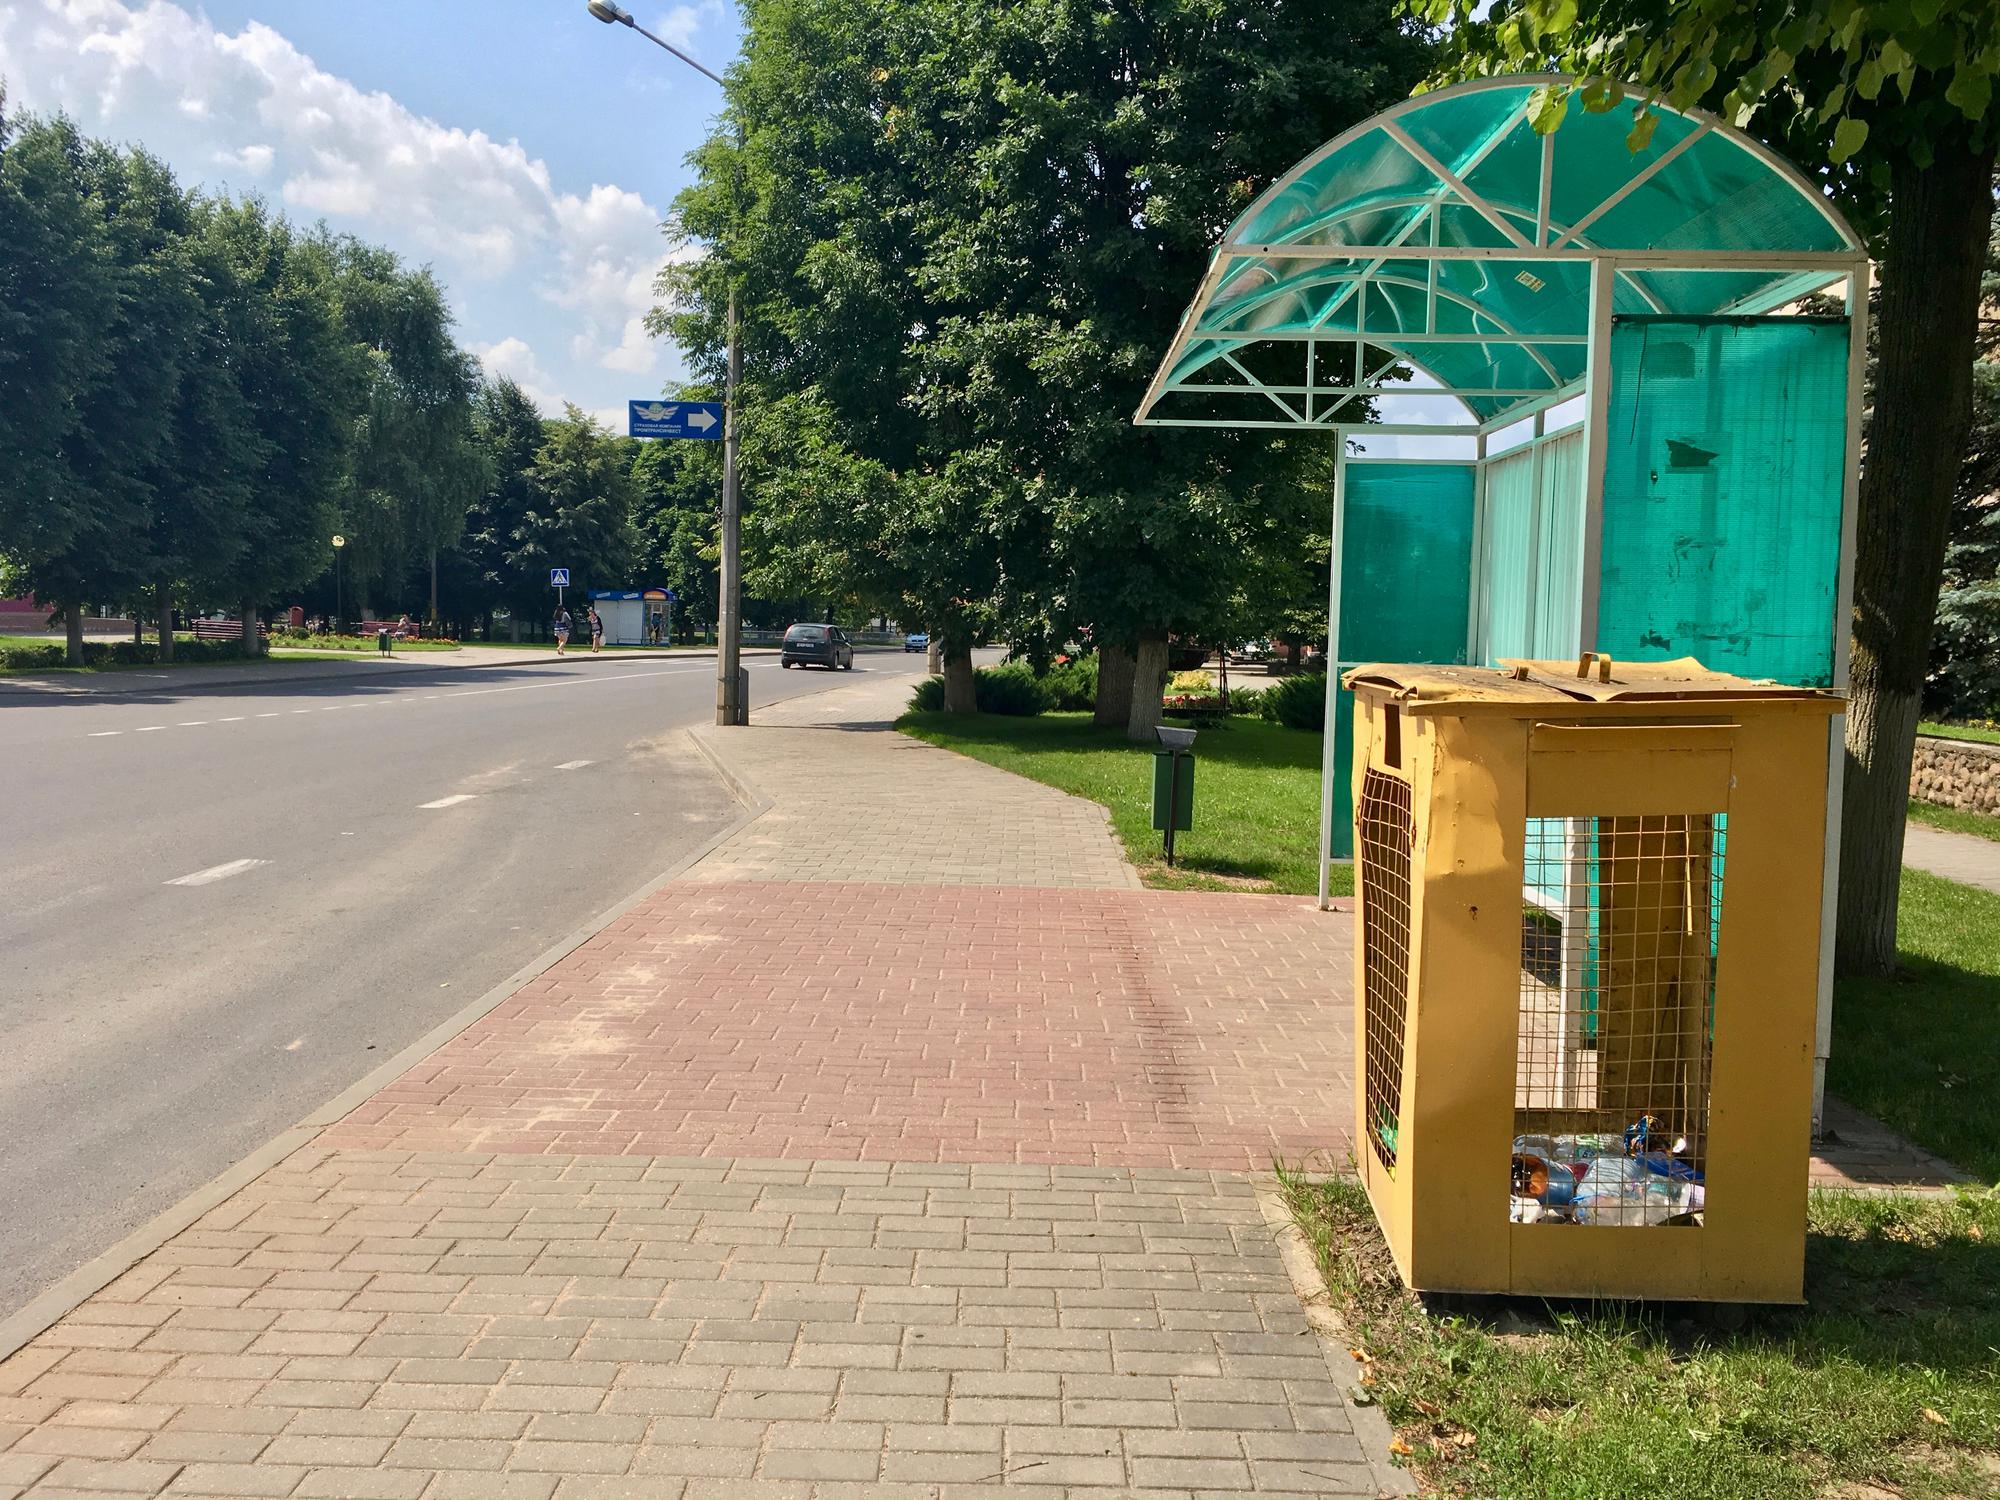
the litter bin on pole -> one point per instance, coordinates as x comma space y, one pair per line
1173, 783
1589, 901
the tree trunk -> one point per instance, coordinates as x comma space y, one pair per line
934, 662
1149, 681
163, 601
514, 628
434, 586
252, 642
73, 629
1938, 227
1113, 704
960, 696
1294, 657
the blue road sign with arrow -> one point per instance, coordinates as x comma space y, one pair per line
675, 419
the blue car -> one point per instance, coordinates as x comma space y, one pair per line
917, 642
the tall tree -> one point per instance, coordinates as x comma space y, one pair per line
1889, 102
57, 280
580, 509
964, 233
413, 467
301, 380
676, 494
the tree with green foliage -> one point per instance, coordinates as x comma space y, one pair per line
676, 495
56, 277
1965, 653
1888, 103
414, 470
300, 379
579, 514
963, 234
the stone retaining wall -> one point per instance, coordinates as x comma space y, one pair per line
1956, 773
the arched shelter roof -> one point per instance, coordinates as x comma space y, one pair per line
1446, 239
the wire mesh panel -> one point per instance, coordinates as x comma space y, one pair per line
1619, 935
1386, 832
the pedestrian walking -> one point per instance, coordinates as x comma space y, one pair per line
596, 630
562, 630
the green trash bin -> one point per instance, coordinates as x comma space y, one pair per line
1173, 784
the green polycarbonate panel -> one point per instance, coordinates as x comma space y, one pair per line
1405, 584
1724, 470
1508, 571
1406, 562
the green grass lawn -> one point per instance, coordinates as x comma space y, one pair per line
1955, 819
352, 643
1986, 734
1885, 1378
1256, 809
1921, 1051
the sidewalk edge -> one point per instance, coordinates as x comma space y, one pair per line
740, 786
1371, 1426
50, 1307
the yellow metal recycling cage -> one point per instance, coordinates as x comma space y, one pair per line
1590, 909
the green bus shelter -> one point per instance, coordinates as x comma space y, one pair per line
1619, 393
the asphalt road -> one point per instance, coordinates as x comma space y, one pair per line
223, 901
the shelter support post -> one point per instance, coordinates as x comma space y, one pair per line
1330, 730
1836, 743
1597, 395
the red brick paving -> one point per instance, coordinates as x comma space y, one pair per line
914, 1024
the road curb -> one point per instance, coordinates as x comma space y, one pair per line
46, 1310
1371, 1426
740, 786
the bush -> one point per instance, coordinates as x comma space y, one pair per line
38, 654
1073, 684
1012, 689
42, 654
1297, 702
1184, 683
1246, 701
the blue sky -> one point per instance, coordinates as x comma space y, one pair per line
523, 150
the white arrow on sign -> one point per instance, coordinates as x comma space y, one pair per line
702, 420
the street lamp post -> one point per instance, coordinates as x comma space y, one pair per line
731, 704
338, 609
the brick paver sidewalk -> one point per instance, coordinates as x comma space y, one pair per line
904, 1149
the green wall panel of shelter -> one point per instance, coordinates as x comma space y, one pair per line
1723, 482
1405, 584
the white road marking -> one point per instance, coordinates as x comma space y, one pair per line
233, 719
456, 797
271, 715
98, 734
575, 765
219, 872
301, 710
148, 728
192, 723
333, 708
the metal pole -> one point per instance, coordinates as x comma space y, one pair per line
1327, 758
729, 708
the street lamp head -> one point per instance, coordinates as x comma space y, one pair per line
340, 541
607, 12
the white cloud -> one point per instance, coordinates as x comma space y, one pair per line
683, 23
253, 158
514, 358
482, 208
